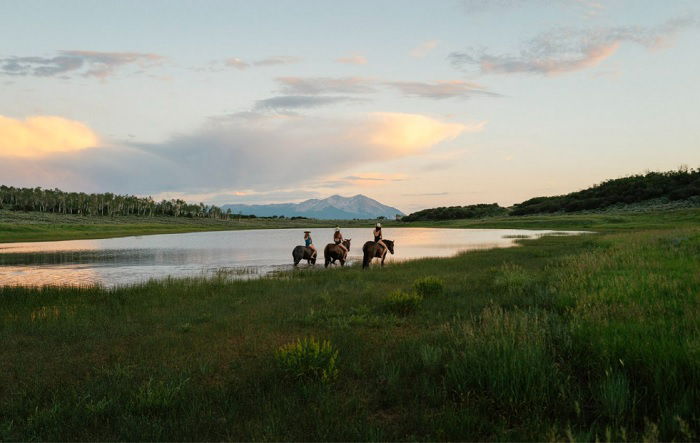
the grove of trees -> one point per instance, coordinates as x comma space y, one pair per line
107, 204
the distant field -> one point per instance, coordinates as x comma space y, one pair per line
583, 338
36, 226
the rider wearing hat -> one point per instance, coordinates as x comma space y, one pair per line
338, 239
378, 235
309, 243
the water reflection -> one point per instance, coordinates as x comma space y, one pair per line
240, 254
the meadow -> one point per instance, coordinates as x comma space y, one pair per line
18, 226
591, 337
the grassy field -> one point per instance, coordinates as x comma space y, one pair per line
35, 226
565, 338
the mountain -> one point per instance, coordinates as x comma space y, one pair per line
334, 207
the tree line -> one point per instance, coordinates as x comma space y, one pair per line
106, 204
681, 184
456, 212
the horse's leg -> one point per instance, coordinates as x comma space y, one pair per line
383, 257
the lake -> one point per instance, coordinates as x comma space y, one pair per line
240, 254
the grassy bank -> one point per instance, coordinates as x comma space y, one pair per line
582, 338
35, 226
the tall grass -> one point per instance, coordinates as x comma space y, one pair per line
577, 338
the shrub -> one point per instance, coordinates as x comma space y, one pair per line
428, 286
308, 359
401, 302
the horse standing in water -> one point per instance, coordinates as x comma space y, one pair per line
372, 250
303, 253
333, 252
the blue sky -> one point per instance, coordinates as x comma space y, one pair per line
416, 104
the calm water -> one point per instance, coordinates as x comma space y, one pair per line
241, 254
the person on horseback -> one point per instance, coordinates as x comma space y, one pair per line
378, 236
309, 243
338, 240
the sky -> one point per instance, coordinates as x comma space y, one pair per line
414, 103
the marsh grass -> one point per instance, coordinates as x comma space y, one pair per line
428, 287
565, 338
402, 302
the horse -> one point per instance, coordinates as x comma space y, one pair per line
303, 253
333, 252
372, 250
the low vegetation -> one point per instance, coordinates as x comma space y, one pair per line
428, 286
308, 360
677, 185
457, 212
591, 337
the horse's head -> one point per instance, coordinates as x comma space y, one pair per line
346, 243
390, 244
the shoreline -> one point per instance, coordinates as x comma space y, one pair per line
34, 227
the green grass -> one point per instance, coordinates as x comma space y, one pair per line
36, 226
565, 338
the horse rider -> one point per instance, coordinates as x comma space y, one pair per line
338, 240
378, 236
309, 243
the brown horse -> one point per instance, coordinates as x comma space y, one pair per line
300, 253
333, 252
372, 250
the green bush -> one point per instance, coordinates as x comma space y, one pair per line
308, 359
403, 303
428, 286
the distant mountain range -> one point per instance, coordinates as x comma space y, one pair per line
334, 207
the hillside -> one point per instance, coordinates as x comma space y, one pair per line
457, 212
334, 207
659, 190
673, 185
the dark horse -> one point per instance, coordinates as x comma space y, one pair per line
372, 250
333, 252
303, 253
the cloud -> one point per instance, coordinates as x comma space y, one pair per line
326, 85
299, 102
566, 50
353, 60
262, 156
277, 60
237, 63
85, 63
41, 135
423, 49
442, 89
410, 133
